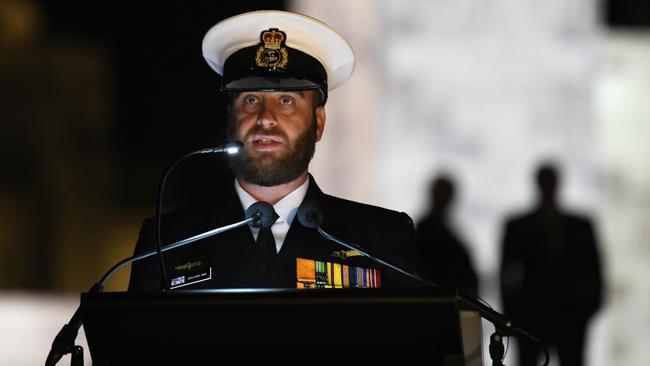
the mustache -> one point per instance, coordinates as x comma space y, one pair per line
273, 131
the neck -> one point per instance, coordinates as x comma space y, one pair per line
547, 206
273, 194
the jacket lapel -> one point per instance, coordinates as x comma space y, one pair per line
304, 242
234, 254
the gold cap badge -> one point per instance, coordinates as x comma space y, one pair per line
272, 52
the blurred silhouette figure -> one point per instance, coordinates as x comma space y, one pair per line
443, 255
550, 275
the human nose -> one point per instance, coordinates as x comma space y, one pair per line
266, 118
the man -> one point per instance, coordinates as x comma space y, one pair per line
277, 68
442, 253
551, 281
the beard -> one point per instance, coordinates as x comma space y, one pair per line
269, 170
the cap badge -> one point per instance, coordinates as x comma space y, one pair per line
272, 52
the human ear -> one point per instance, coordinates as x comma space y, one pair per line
320, 121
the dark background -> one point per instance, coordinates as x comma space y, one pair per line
626, 13
167, 99
96, 99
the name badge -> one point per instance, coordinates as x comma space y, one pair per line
190, 273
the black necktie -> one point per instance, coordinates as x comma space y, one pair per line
266, 242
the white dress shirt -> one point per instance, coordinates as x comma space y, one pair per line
286, 209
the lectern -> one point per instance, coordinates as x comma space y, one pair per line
319, 326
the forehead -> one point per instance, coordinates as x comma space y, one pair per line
299, 93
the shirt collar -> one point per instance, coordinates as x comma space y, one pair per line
286, 208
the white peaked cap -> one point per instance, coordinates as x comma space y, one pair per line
303, 33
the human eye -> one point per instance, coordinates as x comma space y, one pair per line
287, 100
250, 100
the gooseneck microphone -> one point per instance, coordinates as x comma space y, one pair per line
258, 215
231, 148
311, 216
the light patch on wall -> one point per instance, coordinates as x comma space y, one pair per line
623, 92
482, 90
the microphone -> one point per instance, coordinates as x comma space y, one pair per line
258, 215
64, 341
311, 216
262, 214
231, 148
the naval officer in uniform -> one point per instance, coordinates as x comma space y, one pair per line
277, 69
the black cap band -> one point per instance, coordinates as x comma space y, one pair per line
271, 66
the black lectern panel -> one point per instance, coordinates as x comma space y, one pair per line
349, 326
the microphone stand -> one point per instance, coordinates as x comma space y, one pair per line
496, 348
366, 254
502, 326
64, 342
231, 148
309, 216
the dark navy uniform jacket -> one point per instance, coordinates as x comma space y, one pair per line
232, 259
